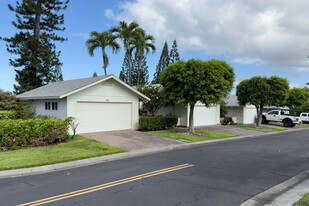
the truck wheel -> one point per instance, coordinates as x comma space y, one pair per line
264, 121
287, 123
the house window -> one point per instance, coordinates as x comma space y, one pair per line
54, 105
51, 105
47, 105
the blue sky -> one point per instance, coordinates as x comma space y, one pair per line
253, 37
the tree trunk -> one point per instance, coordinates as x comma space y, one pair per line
104, 61
191, 122
259, 110
139, 69
37, 20
129, 61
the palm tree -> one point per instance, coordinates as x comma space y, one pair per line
142, 43
126, 33
102, 40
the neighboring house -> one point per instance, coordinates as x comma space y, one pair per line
102, 103
241, 114
202, 115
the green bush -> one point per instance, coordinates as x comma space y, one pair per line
7, 115
156, 123
227, 120
16, 134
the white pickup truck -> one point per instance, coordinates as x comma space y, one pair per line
305, 117
289, 118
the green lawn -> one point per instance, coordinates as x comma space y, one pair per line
296, 126
262, 129
172, 134
75, 149
304, 201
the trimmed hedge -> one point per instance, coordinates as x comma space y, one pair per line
7, 115
156, 123
16, 134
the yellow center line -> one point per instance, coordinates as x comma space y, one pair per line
106, 185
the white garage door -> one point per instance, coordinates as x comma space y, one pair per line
204, 116
97, 117
250, 115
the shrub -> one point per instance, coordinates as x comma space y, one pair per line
156, 123
227, 120
16, 134
7, 115
8, 101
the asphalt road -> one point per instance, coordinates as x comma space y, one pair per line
226, 173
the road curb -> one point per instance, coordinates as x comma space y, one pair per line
283, 194
119, 156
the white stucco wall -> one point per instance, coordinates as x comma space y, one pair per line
237, 112
203, 115
108, 91
61, 113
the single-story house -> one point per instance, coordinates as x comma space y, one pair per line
102, 103
202, 115
241, 114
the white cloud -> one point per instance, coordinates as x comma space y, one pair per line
255, 31
303, 69
294, 85
247, 60
80, 34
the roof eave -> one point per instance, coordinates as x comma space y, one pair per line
49, 97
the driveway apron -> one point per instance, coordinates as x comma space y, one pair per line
131, 140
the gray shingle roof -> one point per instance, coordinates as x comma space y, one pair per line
231, 101
57, 89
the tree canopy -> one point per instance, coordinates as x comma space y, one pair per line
163, 63
262, 91
154, 92
192, 81
174, 54
37, 60
297, 97
102, 41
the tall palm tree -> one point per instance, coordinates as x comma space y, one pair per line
142, 43
102, 40
126, 33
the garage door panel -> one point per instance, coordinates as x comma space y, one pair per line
204, 115
96, 117
250, 115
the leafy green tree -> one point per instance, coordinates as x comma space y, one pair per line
296, 98
95, 74
124, 73
142, 43
163, 63
262, 91
154, 92
305, 107
102, 41
223, 110
196, 80
174, 54
142, 72
34, 44
126, 33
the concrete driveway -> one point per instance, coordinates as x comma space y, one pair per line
131, 140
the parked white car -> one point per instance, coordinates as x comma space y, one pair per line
305, 117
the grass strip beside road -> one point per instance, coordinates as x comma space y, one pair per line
262, 129
75, 149
296, 126
304, 201
173, 134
